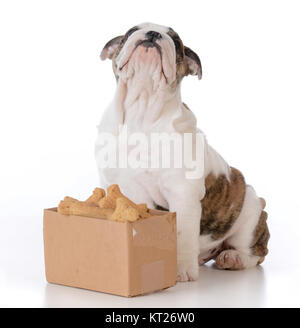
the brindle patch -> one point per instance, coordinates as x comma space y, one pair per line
261, 236
182, 69
195, 58
120, 40
222, 203
178, 44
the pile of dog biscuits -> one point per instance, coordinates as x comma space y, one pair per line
112, 206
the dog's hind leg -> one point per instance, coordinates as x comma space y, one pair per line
247, 247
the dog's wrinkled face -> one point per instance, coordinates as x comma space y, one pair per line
154, 49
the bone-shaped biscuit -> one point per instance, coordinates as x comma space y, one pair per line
70, 199
113, 193
98, 193
74, 200
71, 207
115, 206
124, 211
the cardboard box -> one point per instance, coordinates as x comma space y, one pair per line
127, 259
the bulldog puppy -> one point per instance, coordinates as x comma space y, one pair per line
219, 216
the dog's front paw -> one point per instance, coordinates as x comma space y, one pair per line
188, 269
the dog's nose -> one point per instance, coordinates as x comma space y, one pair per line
153, 36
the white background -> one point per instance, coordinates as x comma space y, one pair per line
54, 89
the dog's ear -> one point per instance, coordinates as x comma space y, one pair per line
193, 61
110, 47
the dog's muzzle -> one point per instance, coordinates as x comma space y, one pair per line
150, 40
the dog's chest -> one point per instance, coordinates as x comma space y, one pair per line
151, 181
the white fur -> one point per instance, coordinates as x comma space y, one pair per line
145, 102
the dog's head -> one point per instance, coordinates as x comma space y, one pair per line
155, 49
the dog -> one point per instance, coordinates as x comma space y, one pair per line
219, 216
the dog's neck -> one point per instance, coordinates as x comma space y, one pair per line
142, 104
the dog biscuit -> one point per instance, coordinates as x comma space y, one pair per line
70, 199
114, 206
74, 200
124, 211
143, 207
113, 193
83, 209
98, 193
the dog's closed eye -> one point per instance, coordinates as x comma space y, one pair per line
131, 31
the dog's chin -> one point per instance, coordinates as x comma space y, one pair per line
142, 64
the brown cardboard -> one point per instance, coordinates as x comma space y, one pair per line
122, 258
